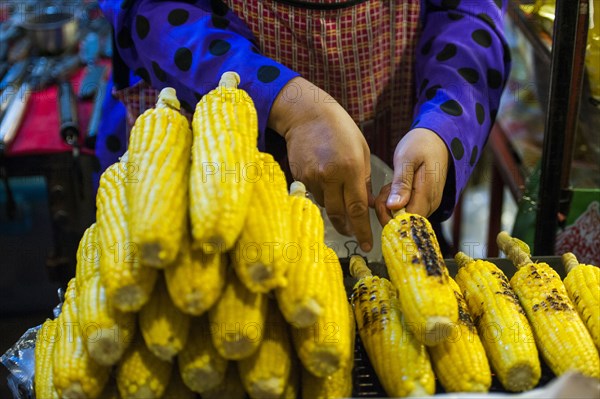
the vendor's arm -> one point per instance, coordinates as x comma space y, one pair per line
462, 63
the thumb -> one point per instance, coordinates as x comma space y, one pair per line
401, 189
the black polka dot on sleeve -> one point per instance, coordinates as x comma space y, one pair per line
452, 107
482, 37
219, 21
487, 19
268, 73
142, 26
473, 158
498, 3
469, 74
455, 16
447, 52
143, 73
457, 148
159, 72
480, 113
450, 3
113, 144
424, 84
219, 7
507, 57
431, 92
183, 59
124, 39
427, 46
494, 78
178, 16
218, 47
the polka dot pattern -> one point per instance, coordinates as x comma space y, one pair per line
482, 37
487, 19
452, 107
159, 73
498, 3
447, 52
218, 47
142, 26
178, 17
494, 78
143, 73
455, 16
427, 47
183, 59
473, 158
268, 73
450, 3
480, 113
432, 91
457, 148
218, 7
469, 74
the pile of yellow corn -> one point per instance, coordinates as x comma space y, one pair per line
204, 275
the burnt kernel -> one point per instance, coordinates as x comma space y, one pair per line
535, 307
415, 259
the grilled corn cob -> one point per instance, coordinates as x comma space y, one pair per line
325, 346
224, 150
128, 284
140, 374
75, 373
200, 365
231, 387
44, 346
583, 285
196, 279
266, 372
106, 330
88, 256
164, 327
258, 257
399, 359
336, 385
460, 362
560, 334
417, 269
177, 389
302, 300
159, 149
504, 330
237, 320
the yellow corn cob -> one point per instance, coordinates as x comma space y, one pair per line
460, 361
140, 374
337, 385
583, 285
107, 331
231, 387
224, 151
417, 269
164, 327
196, 279
560, 334
301, 301
75, 373
177, 389
128, 284
505, 331
88, 256
159, 150
258, 257
200, 365
44, 346
237, 320
325, 346
265, 373
400, 361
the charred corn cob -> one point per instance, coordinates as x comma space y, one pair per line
196, 279
258, 257
159, 150
107, 330
399, 359
128, 284
460, 361
177, 389
88, 256
200, 365
336, 385
231, 387
417, 269
140, 374
560, 334
237, 320
504, 330
164, 327
224, 150
266, 372
583, 286
44, 347
75, 373
325, 346
302, 300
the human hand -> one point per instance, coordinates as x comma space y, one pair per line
420, 170
328, 153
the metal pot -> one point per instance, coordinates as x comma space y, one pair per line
52, 32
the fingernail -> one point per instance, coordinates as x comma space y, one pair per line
393, 200
365, 246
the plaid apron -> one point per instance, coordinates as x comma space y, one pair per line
360, 52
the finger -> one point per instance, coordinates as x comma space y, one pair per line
384, 215
357, 209
401, 188
334, 206
370, 195
423, 193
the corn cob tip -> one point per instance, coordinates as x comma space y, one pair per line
516, 250
307, 314
229, 80
437, 329
399, 212
267, 388
358, 267
519, 378
298, 189
462, 259
167, 98
569, 261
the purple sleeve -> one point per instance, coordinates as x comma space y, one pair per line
187, 45
462, 64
